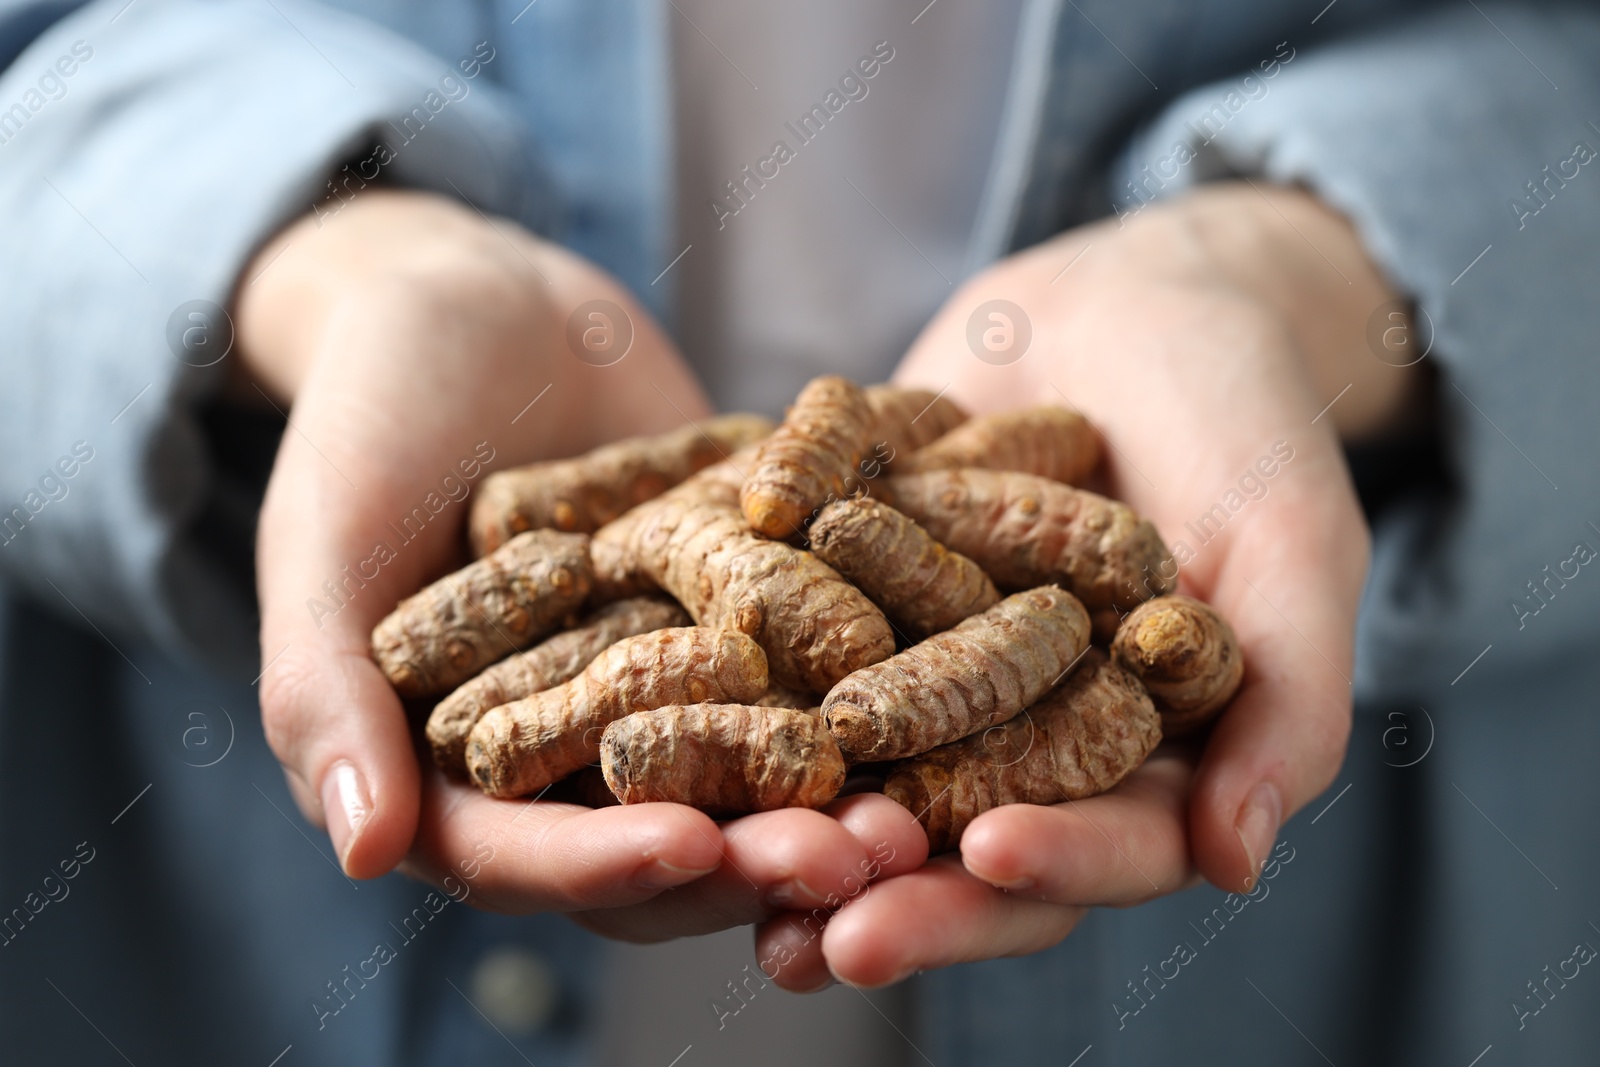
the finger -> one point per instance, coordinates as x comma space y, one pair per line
340, 733
934, 917
1291, 598
810, 861
794, 858
420, 336
332, 562
890, 833
1122, 847
788, 950
520, 857
330, 716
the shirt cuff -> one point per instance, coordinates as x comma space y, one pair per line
150, 150
1462, 147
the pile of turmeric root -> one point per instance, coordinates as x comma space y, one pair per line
736, 614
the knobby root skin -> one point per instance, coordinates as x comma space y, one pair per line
1048, 441
921, 586
725, 759
548, 664
616, 575
905, 420
811, 457
1186, 655
437, 639
1079, 741
1024, 531
982, 672
720, 483
814, 626
584, 493
521, 747
614, 579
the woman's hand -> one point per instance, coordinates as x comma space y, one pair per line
415, 345
1206, 338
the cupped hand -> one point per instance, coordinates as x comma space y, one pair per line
1206, 338
415, 345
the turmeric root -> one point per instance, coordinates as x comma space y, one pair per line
437, 639
982, 672
583, 494
905, 420
813, 625
724, 759
1080, 740
1024, 531
720, 483
1049, 441
615, 576
812, 455
523, 746
614, 579
557, 660
922, 586
1186, 655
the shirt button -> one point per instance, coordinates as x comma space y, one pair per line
516, 989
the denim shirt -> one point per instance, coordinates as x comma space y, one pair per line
147, 149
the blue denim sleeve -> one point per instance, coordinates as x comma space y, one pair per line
146, 150
1463, 147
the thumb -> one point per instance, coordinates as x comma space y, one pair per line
330, 716
1292, 601
341, 734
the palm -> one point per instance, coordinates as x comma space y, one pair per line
1192, 388
415, 337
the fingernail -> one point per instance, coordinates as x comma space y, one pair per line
1019, 884
659, 874
345, 806
784, 894
1016, 885
895, 978
1257, 826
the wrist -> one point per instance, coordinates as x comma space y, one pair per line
398, 255
1294, 258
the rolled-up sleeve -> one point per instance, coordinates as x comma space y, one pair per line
1463, 147
146, 150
